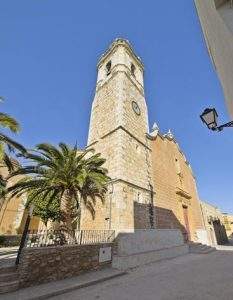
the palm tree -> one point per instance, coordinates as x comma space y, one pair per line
6, 121
63, 173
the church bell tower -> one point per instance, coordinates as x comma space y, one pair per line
118, 130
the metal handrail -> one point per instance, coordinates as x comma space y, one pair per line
45, 238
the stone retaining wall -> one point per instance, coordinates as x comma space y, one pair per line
142, 241
40, 265
146, 246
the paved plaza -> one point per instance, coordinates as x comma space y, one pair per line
193, 276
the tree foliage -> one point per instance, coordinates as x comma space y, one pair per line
45, 209
8, 122
65, 173
6, 143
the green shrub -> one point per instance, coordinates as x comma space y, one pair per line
2, 239
10, 240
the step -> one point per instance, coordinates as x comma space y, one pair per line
194, 244
204, 247
7, 269
8, 253
202, 250
207, 251
11, 286
197, 245
7, 277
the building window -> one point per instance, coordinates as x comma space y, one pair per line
132, 68
178, 169
108, 67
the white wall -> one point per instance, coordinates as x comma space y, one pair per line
226, 12
219, 41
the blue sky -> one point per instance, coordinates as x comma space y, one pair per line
48, 55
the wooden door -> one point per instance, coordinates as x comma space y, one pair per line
186, 222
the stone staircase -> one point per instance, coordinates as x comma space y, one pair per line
8, 276
8, 279
200, 248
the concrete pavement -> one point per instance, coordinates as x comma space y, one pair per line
192, 276
54, 288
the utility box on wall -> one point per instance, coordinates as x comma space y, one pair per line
105, 254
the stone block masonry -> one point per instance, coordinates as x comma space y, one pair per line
152, 182
40, 265
119, 133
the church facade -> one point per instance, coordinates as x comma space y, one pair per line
176, 198
152, 184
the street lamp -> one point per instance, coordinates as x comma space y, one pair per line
210, 118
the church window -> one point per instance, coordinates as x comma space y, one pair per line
132, 68
108, 67
177, 164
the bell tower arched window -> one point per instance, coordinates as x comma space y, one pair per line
132, 69
108, 67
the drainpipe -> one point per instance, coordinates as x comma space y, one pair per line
110, 207
151, 208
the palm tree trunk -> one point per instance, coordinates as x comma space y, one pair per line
3, 210
66, 224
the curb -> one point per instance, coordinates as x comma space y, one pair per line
77, 286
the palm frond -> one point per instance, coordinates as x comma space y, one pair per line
65, 148
65, 173
49, 150
10, 142
8, 162
9, 122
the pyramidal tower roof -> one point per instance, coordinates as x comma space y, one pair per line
120, 42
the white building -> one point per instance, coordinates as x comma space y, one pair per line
216, 17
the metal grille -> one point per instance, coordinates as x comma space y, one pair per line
45, 238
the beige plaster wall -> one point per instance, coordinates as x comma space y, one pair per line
174, 186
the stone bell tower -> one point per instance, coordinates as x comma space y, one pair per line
118, 130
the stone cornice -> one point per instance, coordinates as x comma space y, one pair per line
114, 130
183, 193
114, 72
91, 144
124, 43
129, 133
132, 184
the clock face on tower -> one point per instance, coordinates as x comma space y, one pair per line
136, 108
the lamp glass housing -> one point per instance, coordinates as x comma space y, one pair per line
210, 117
